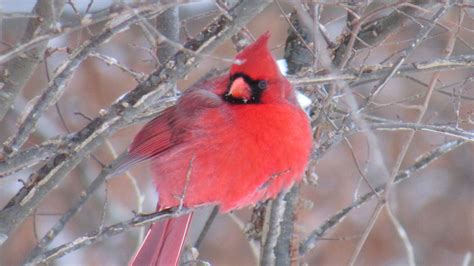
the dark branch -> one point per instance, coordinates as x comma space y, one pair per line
18, 71
374, 32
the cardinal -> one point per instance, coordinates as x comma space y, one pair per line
231, 141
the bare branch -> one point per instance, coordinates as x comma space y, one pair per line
375, 72
285, 246
113, 62
58, 84
423, 162
374, 32
122, 113
277, 210
86, 21
106, 232
401, 156
168, 25
420, 37
19, 70
66, 217
445, 130
345, 82
31, 156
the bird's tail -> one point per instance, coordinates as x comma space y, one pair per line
163, 242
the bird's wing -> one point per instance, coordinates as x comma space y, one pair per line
163, 242
165, 239
169, 128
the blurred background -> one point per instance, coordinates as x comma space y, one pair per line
434, 206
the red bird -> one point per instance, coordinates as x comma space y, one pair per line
232, 141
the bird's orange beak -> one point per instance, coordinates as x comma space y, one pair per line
240, 89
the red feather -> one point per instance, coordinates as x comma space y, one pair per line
209, 149
163, 242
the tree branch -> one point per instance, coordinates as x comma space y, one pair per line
18, 71
85, 21
374, 32
375, 72
106, 232
31, 156
305, 246
445, 130
28, 158
269, 242
66, 217
58, 84
423, 162
122, 113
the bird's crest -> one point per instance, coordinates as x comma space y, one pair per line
256, 60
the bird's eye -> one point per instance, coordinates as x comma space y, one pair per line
262, 84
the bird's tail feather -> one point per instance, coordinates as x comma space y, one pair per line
163, 242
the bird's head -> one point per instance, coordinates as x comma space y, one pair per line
256, 78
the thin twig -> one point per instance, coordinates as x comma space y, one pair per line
66, 217
121, 113
375, 72
136, 189
241, 225
86, 21
402, 233
58, 84
426, 159
445, 130
374, 32
106, 232
420, 36
18, 71
207, 226
29, 157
